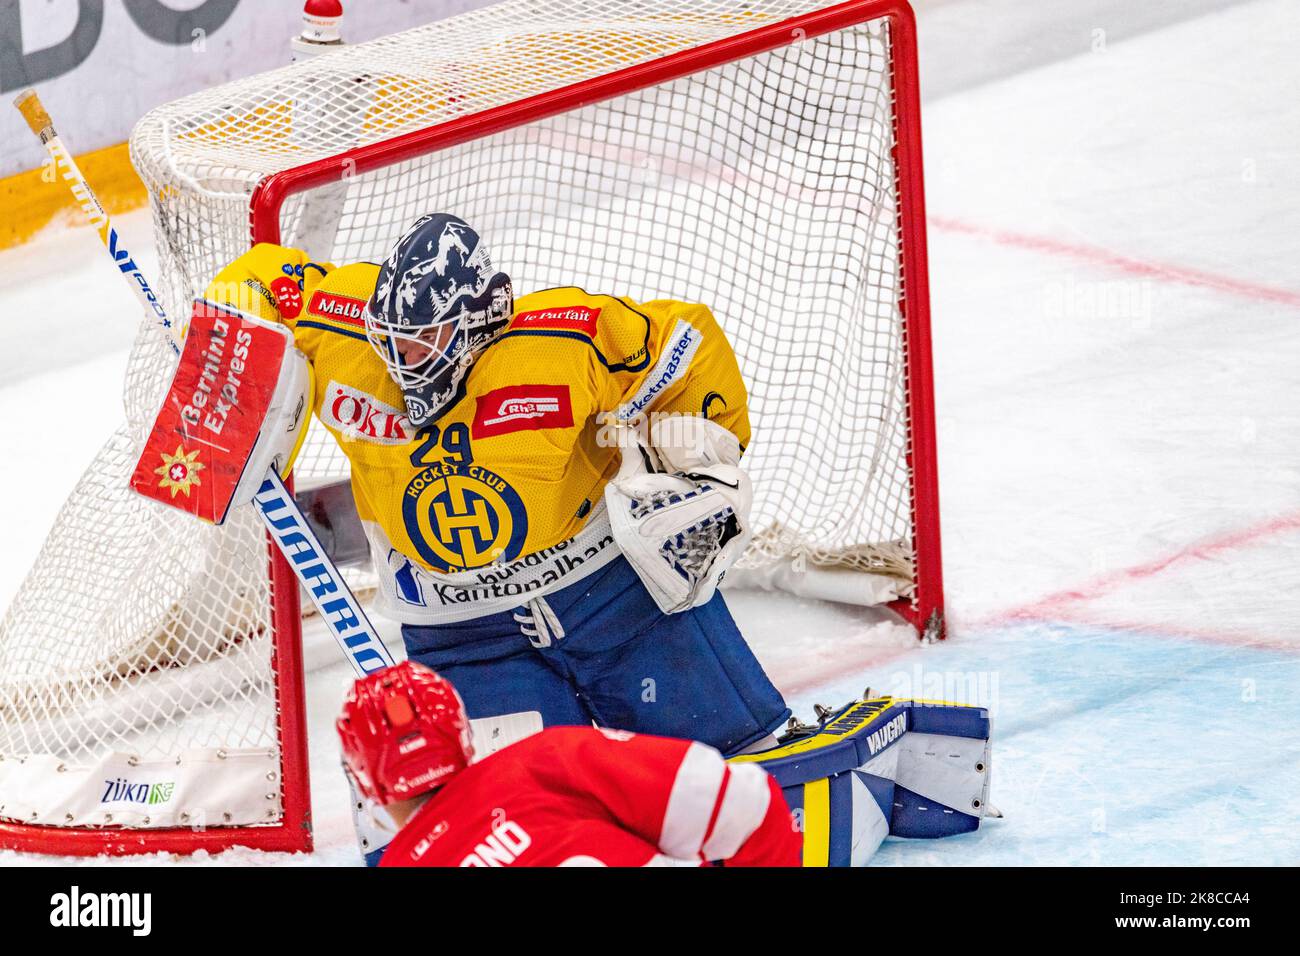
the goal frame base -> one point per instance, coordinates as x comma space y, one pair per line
291, 834
123, 841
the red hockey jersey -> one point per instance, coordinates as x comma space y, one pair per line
578, 796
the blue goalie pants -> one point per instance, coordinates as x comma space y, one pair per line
601, 651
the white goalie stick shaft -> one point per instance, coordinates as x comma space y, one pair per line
29, 104
284, 520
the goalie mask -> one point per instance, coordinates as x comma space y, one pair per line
438, 303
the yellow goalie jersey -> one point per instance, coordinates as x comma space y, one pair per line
501, 498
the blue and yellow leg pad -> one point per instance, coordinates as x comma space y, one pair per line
883, 767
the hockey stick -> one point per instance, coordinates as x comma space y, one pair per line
284, 520
29, 104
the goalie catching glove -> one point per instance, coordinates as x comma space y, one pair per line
237, 406
679, 509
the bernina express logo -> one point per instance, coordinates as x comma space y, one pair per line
522, 408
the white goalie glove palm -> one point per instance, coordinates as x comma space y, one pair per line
681, 532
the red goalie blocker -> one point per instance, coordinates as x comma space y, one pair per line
237, 405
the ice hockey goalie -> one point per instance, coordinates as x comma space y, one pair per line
552, 490
551, 487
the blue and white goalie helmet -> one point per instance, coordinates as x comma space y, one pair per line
438, 303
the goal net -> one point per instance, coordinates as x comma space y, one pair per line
758, 156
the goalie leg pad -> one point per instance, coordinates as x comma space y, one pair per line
884, 767
689, 675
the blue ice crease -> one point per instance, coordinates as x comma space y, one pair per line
1115, 747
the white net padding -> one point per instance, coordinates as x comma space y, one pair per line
765, 188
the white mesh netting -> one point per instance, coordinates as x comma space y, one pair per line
764, 188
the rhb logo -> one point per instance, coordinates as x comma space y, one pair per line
342, 308
121, 790
522, 408
570, 318
362, 417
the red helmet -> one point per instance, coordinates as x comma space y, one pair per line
404, 732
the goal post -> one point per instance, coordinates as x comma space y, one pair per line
762, 157
271, 219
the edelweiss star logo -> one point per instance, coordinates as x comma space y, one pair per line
179, 471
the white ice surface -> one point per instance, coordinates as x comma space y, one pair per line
1116, 298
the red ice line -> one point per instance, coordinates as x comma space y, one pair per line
1225, 638
1097, 255
1062, 606
1055, 605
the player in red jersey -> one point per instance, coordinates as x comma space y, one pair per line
567, 796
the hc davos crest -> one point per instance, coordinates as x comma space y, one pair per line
463, 516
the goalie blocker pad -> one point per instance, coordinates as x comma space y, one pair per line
236, 406
883, 767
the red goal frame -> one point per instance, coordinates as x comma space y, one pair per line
924, 610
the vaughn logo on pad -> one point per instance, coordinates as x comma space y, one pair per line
518, 408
